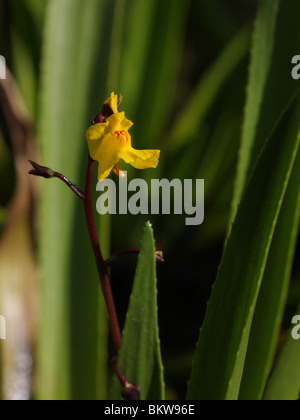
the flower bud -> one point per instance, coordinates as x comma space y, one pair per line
131, 392
98, 119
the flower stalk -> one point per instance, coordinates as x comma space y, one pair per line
47, 173
102, 268
131, 392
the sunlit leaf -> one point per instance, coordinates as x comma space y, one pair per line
72, 334
284, 384
222, 347
140, 358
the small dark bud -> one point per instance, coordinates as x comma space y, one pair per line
106, 110
42, 171
98, 119
131, 392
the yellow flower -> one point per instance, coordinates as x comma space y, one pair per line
110, 141
113, 102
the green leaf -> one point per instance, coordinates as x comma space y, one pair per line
272, 298
72, 353
267, 96
222, 346
260, 69
140, 358
284, 384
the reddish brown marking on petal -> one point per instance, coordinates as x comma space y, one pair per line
107, 110
123, 133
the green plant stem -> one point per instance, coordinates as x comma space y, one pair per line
102, 268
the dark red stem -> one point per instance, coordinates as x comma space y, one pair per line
102, 269
47, 173
131, 392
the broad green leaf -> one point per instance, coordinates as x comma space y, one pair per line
260, 69
272, 298
222, 346
275, 40
284, 383
72, 348
271, 86
139, 358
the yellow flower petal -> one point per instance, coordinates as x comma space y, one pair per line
96, 131
140, 159
118, 122
108, 152
94, 136
113, 101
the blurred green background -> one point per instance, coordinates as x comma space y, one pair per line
182, 68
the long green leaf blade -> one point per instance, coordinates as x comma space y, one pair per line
72, 342
272, 298
221, 351
284, 384
260, 69
140, 358
275, 40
